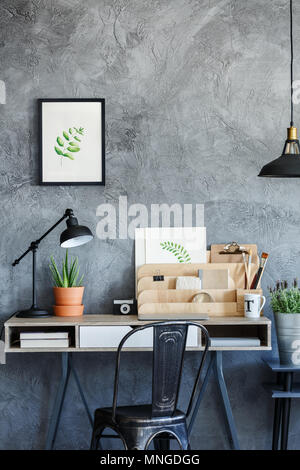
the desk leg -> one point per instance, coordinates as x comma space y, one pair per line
218, 370
59, 400
277, 418
201, 393
81, 394
286, 407
66, 367
216, 365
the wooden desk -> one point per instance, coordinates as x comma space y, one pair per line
216, 326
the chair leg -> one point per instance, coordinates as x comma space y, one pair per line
185, 444
184, 441
96, 438
162, 442
136, 439
140, 439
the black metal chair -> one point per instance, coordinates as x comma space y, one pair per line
138, 425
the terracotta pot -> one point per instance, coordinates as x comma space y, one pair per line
68, 310
68, 295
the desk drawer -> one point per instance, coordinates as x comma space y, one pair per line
110, 337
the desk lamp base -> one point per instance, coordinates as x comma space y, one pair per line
33, 312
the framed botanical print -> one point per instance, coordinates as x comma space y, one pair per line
72, 141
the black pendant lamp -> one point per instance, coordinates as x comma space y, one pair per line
288, 164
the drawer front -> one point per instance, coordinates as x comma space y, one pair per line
101, 336
110, 337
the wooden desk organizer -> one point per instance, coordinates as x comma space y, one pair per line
161, 300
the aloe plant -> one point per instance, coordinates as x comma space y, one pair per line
69, 275
177, 250
69, 143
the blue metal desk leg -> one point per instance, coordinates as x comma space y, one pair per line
67, 368
59, 400
216, 366
201, 393
277, 418
81, 393
218, 370
286, 407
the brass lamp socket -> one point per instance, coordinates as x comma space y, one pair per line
292, 133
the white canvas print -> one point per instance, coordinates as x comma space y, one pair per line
72, 141
176, 245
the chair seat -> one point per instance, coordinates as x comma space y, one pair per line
137, 415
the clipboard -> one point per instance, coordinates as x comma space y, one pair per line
232, 253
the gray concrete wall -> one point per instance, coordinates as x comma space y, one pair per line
197, 101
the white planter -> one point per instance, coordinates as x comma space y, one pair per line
288, 337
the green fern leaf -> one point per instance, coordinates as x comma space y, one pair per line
68, 145
177, 250
58, 151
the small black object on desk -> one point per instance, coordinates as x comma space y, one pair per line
283, 391
74, 235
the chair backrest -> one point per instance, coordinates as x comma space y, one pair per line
169, 344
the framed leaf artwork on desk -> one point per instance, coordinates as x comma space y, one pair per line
72, 141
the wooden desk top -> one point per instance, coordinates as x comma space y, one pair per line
124, 320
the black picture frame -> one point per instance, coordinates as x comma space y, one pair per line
41, 153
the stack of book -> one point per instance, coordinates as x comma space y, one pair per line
235, 342
46, 339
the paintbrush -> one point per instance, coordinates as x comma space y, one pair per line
246, 270
249, 268
258, 276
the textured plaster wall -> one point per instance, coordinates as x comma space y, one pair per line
197, 101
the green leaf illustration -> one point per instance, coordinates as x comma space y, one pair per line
177, 250
58, 151
69, 145
68, 155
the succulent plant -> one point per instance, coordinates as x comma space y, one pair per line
69, 275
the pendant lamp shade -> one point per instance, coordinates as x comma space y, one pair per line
288, 164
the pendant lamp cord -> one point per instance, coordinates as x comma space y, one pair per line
292, 61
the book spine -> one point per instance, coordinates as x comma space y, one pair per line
44, 335
44, 343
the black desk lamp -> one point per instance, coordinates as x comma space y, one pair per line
74, 235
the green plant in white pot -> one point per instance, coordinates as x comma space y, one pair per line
285, 303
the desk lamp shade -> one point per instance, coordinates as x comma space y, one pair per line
288, 164
75, 235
